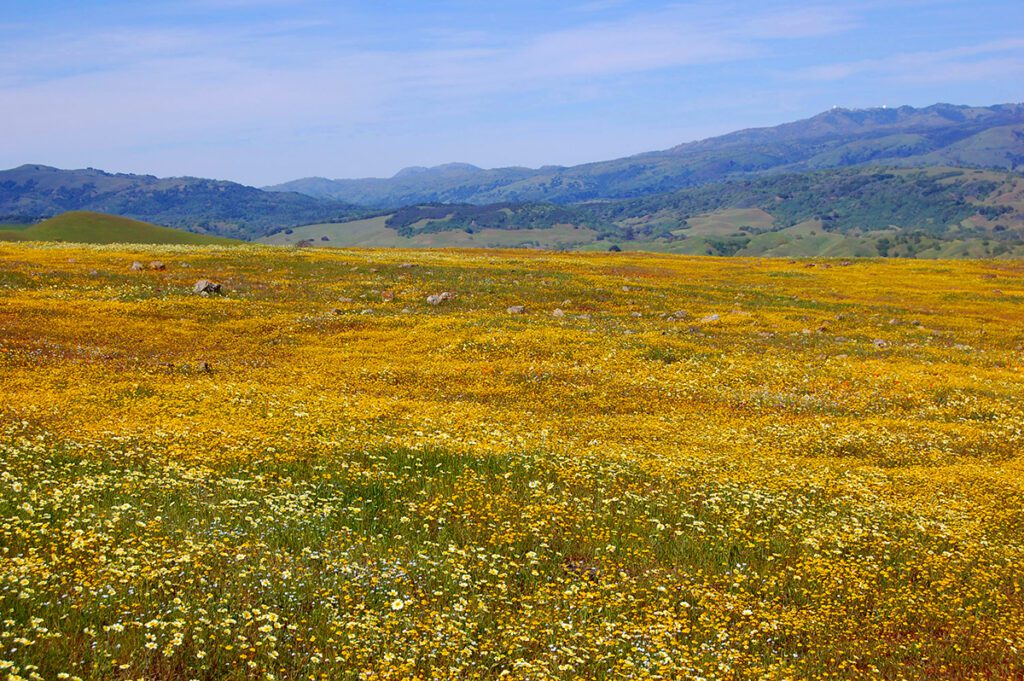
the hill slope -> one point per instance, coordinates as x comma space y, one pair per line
32, 192
96, 228
943, 134
937, 212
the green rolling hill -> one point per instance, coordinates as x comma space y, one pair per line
97, 228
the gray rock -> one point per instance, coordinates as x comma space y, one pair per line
206, 287
516, 309
439, 298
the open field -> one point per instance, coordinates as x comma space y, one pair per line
814, 472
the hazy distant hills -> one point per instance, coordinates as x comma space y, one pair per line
943, 134
33, 192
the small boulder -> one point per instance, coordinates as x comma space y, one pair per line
439, 298
137, 266
516, 309
679, 315
206, 287
711, 318
558, 313
157, 265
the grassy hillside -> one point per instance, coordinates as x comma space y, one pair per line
936, 212
730, 469
96, 228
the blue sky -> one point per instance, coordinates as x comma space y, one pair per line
262, 91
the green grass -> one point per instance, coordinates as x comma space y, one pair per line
727, 222
374, 233
98, 228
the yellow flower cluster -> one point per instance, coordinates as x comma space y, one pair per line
661, 467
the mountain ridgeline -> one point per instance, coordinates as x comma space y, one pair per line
943, 134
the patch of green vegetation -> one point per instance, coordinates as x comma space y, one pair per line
97, 228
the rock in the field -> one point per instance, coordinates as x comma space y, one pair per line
710, 318
367, 311
635, 315
157, 265
137, 266
439, 298
406, 265
679, 315
206, 287
558, 312
516, 309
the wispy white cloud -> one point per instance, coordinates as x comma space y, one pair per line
1001, 58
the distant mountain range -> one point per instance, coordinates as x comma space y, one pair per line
939, 135
939, 181
33, 192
